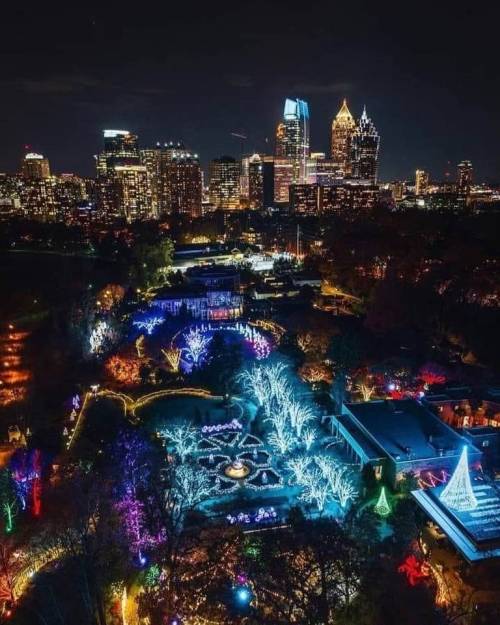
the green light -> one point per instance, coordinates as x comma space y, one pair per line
382, 507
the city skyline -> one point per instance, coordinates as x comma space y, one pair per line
201, 84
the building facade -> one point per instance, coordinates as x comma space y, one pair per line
293, 141
365, 149
183, 181
421, 182
343, 128
224, 184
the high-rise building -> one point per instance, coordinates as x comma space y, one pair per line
365, 147
255, 182
293, 133
343, 127
464, 178
279, 150
35, 166
421, 182
151, 158
132, 192
305, 199
121, 147
123, 183
224, 184
284, 176
183, 181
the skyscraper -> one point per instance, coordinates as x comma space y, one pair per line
255, 182
343, 127
280, 140
123, 183
421, 182
183, 180
464, 178
224, 184
35, 166
292, 136
365, 146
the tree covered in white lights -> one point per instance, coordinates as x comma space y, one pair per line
196, 346
192, 485
298, 467
183, 438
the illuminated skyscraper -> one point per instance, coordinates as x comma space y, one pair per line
123, 183
292, 136
224, 184
255, 182
183, 180
365, 146
35, 167
464, 178
132, 192
280, 140
343, 127
421, 182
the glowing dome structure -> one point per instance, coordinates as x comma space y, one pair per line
237, 470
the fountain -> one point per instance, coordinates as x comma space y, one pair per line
237, 470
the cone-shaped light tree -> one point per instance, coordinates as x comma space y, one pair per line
458, 493
382, 507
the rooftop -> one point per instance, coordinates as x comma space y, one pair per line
475, 533
406, 430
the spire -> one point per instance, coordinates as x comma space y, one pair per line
364, 116
344, 112
458, 493
382, 507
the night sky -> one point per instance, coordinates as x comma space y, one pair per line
428, 73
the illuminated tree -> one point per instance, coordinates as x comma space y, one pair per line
184, 439
315, 372
282, 440
102, 337
196, 346
298, 467
110, 296
382, 507
8, 500
298, 414
316, 489
173, 358
432, 373
192, 486
458, 493
125, 369
308, 437
149, 324
307, 573
365, 390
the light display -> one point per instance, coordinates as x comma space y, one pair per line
365, 391
196, 346
299, 415
308, 438
382, 507
101, 337
414, 569
298, 467
149, 324
184, 438
173, 358
315, 489
259, 345
192, 485
125, 370
458, 493
234, 424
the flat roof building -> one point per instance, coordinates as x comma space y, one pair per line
400, 436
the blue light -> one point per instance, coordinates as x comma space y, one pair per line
243, 595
